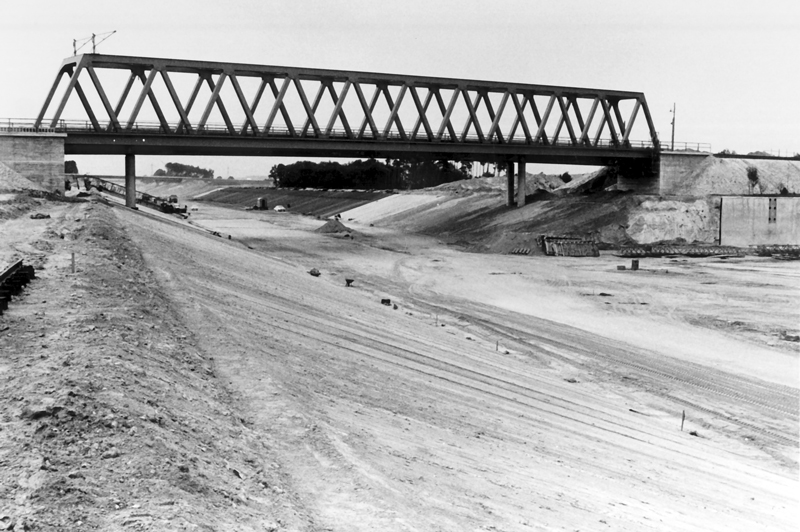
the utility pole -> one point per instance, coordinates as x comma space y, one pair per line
672, 148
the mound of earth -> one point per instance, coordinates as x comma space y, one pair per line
533, 182
587, 183
716, 175
12, 181
333, 226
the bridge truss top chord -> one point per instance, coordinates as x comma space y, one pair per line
344, 110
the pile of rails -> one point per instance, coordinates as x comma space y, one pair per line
787, 252
12, 279
689, 251
568, 246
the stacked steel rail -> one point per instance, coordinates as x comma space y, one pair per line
12, 279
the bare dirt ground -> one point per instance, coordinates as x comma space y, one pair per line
180, 380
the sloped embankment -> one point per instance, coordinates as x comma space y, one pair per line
473, 212
311, 202
717, 175
483, 223
113, 416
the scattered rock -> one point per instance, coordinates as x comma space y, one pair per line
314, 272
111, 453
40, 410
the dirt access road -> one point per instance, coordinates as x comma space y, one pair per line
503, 393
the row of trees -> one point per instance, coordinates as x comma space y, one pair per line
369, 174
184, 170
759, 153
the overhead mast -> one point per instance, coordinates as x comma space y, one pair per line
92, 39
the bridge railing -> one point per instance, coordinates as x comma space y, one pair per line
22, 125
701, 147
154, 128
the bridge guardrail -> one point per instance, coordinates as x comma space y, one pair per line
21, 125
150, 128
701, 147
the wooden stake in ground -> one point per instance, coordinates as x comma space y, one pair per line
683, 418
73, 262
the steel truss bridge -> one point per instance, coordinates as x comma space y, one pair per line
181, 107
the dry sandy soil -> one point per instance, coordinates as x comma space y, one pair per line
180, 380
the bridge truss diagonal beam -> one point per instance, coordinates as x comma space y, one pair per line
439, 111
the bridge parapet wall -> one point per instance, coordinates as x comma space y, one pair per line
38, 157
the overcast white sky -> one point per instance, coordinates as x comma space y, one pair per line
731, 67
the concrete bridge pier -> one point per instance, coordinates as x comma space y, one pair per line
510, 185
130, 180
521, 188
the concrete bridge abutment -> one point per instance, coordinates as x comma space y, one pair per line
665, 176
38, 157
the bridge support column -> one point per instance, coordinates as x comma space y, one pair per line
130, 180
510, 185
521, 188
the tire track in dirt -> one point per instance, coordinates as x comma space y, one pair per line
772, 396
776, 398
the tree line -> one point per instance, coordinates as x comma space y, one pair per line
369, 174
184, 170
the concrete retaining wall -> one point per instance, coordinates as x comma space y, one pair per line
746, 220
38, 157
